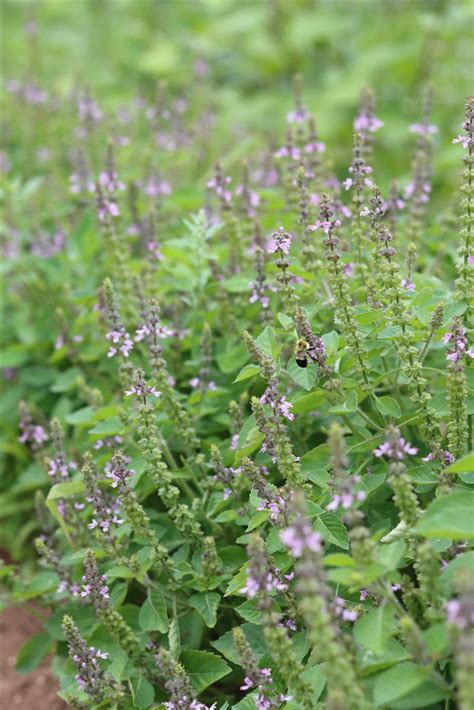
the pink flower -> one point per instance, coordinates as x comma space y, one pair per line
395, 449
301, 537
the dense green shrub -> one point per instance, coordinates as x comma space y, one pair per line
243, 443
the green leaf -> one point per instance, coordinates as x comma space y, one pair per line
66, 380
247, 372
206, 605
449, 517
286, 321
397, 682
373, 629
231, 360
109, 427
249, 612
316, 678
204, 668
174, 638
389, 407
257, 520
143, 693
80, 416
464, 562
332, 530
237, 582
422, 697
303, 376
350, 405
153, 614
331, 342
390, 555
266, 341
316, 459
225, 643
464, 465
58, 492
33, 652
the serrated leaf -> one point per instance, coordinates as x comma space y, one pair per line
247, 372
464, 465
389, 407
80, 416
232, 359
143, 693
108, 427
206, 604
153, 614
257, 520
397, 682
249, 612
204, 668
174, 638
449, 517
373, 629
266, 341
331, 342
237, 582
303, 376
332, 530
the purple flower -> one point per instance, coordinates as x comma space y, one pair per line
459, 343
445, 456
325, 226
313, 147
300, 537
122, 339
31, 433
300, 115
280, 241
364, 123
460, 612
423, 129
396, 449
288, 151
119, 472
155, 187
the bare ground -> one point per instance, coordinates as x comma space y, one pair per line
35, 691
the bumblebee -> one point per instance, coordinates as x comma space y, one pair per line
302, 351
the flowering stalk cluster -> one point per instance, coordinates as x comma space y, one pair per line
150, 444
279, 244
51, 558
182, 695
269, 411
465, 281
263, 580
152, 332
133, 510
32, 434
106, 510
98, 685
459, 351
255, 677
406, 501
96, 591
344, 308
418, 191
346, 498
325, 635
394, 294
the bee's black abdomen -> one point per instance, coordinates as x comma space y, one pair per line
301, 362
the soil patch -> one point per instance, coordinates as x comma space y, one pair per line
36, 690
